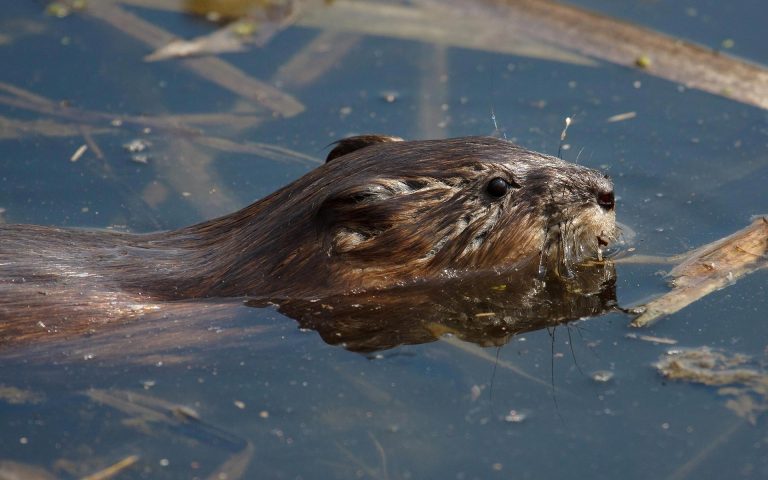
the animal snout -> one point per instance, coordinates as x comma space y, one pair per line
606, 200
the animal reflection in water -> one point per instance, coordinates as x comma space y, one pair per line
485, 308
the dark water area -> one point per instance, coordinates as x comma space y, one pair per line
575, 400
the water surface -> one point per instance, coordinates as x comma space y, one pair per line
689, 168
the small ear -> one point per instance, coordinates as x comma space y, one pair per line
350, 144
350, 205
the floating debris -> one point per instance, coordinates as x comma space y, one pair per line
64, 9
475, 392
710, 268
58, 10
620, 117
431, 22
17, 396
515, 417
16, 470
602, 376
652, 339
643, 62
137, 145
78, 153
256, 26
225, 40
114, 469
563, 134
390, 97
153, 416
746, 387
140, 158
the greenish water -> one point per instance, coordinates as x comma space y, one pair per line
689, 168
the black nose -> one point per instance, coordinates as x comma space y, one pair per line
606, 200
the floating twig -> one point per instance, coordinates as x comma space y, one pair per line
710, 268
113, 470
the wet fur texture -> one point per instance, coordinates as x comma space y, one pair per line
379, 214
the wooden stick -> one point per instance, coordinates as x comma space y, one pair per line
710, 268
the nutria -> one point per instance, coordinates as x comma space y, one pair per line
379, 213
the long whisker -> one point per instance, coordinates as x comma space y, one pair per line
573, 353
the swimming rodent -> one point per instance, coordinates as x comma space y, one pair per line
379, 213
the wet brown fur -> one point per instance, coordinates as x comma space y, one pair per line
380, 213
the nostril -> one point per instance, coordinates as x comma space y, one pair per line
606, 200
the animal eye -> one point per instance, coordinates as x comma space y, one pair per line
497, 187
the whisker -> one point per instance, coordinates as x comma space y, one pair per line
573, 353
562, 137
578, 155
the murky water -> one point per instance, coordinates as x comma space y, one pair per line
689, 168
